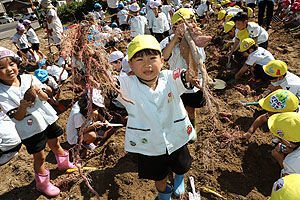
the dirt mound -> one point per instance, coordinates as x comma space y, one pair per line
234, 169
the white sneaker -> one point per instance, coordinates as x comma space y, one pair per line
7, 157
90, 146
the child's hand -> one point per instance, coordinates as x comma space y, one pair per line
246, 136
277, 155
97, 125
25, 104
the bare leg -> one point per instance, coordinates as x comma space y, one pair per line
55, 146
162, 184
39, 162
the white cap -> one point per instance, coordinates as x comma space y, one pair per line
107, 28
7, 53
187, 5
134, 7
97, 98
125, 65
116, 55
155, 3
46, 4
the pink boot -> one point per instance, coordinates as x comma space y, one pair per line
64, 162
43, 184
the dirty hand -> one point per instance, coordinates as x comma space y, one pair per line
25, 104
277, 155
37, 89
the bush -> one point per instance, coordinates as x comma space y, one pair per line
76, 11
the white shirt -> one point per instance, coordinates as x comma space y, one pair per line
150, 17
137, 24
9, 137
166, 9
123, 16
291, 163
250, 1
76, 119
260, 56
290, 82
32, 37
233, 10
160, 23
99, 15
202, 9
38, 117
176, 2
21, 41
176, 60
112, 3
56, 71
256, 31
157, 122
55, 25
52, 83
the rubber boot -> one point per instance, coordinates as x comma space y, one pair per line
193, 139
42, 182
179, 185
63, 161
165, 195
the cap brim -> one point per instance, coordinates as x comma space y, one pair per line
218, 84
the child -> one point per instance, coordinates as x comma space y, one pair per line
277, 102
171, 51
286, 127
229, 29
98, 13
137, 23
257, 58
59, 73
285, 9
10, 142
115, 60
256, 32
21, 43
280, 78
122, 17
160, 26
286, 188
78, 117
204, 11
35, 119
158, 134
294, 18
126, 70
32, 38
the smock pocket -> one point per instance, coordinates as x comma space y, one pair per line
138, 136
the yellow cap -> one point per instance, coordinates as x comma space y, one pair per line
229, 17
275, 68
141, 42
236, 6
286, 126
249, 11
218, 6
185, 12
228, 26
224, 2
280, 101
221, 14
246, 44
286, 188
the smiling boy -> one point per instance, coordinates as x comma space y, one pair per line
158, 127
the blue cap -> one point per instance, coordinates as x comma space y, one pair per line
128, 1
121, 5
97, 5
41, 74
114, 24
143, 4
142, 12
42, 62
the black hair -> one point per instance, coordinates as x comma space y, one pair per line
146, 52
240, 16
83, 104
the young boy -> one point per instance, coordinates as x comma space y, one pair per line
98, 13
160, 26
256, 32
137, 23
122, 17
204, 11
171, 51
158, 127
277, 102
115, 59
257, 57
229, 30
286, 127
286, 188
280, 78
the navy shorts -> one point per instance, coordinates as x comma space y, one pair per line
35, 46
158, 167
37, 142
194, 100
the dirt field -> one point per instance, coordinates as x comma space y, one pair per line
234, 169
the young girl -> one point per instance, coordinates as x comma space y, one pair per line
34, 118
32, 38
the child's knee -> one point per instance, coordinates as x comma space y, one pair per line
90, 137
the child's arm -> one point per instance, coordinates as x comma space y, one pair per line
41, 94
243, 70
233, 48
257, 123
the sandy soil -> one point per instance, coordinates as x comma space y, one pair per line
235, 169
